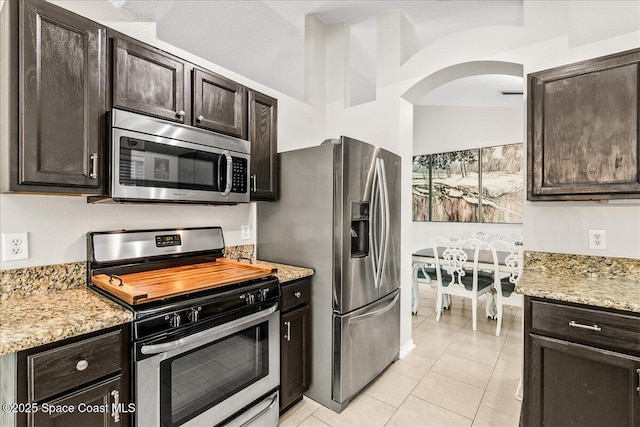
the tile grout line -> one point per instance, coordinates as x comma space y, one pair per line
492, 369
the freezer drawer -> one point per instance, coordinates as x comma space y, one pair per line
366, 341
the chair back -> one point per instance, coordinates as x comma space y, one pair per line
459, 258
513, 262
453, 259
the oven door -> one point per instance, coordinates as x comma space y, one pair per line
205, 378
155, 168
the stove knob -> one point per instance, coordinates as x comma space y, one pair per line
263, 294
194, 314
251, 299
175, 320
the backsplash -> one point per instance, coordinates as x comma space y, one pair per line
44, 278
593, 266
240, 251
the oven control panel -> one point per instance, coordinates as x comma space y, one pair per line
256, 296
201, 309
165, 240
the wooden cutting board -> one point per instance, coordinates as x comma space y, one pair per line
147, 286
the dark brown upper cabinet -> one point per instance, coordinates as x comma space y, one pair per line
583, 131
263, 135
219, 104
148, 81
61, 103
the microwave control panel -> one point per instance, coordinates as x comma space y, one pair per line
239, 176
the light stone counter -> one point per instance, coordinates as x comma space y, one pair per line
597, 281
44, 304
28, 321
287, 273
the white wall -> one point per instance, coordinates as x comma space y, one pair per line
446, 128
57, 224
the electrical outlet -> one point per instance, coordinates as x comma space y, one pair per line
597, 239
246, 232
15, 246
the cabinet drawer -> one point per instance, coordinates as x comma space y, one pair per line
586, 325
296, 294
55, 371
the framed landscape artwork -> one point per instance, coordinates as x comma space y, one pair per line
478, 185
502, 184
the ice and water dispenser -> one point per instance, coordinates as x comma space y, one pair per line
359, 229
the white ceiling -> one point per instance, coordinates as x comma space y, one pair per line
264, 40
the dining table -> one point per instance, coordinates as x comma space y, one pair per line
485, 263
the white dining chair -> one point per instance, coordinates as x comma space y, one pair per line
506, 276
426, 274
457, 268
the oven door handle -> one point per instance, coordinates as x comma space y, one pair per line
164, 347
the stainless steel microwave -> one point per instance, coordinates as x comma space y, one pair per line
153, 160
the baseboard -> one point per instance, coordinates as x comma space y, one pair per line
406, 349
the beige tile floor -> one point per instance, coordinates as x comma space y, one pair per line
454, 376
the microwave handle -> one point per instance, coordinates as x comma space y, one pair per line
229, 178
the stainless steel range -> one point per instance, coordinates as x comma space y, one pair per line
205, 339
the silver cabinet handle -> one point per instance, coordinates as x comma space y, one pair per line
573, 324
288, 334
115, 410
94, 166
298, 294
254, 183
82, 365
180, 114
199, 118
638, 388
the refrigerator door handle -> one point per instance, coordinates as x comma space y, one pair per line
373, 229
383, 310
385, 222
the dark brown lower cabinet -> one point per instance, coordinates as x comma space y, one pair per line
94, 406
295, 354
79, 381
295, 347
572, 377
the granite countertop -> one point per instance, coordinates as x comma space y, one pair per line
39, 307
28, 321
287, 273
597, 281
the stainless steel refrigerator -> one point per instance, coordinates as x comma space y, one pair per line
339, 213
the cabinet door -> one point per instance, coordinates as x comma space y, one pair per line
296, 354
101, 399
263, 135
62, 101
583, 130
148, 81
219, 104
573, 384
